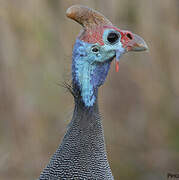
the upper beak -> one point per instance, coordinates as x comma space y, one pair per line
136, 44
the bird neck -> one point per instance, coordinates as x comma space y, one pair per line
82, 153
85, 116
85, 138
86, 119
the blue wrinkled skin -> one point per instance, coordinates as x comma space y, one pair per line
90, 69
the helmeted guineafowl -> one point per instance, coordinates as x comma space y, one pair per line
82, 153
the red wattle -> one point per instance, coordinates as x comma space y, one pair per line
117, 66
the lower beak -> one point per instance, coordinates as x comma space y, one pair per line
136, 44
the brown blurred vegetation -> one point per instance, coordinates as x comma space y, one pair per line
140, 104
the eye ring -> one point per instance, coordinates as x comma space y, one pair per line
113, 37
95, 49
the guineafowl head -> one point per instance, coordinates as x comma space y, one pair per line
96, 46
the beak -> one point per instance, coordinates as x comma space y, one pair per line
136, 44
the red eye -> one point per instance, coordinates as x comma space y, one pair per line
129, 35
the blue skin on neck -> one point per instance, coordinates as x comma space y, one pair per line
90, 67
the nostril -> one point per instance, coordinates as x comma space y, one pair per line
129, 35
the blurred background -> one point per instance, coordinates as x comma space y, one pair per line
140, 103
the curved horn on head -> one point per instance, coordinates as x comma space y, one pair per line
87, 17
